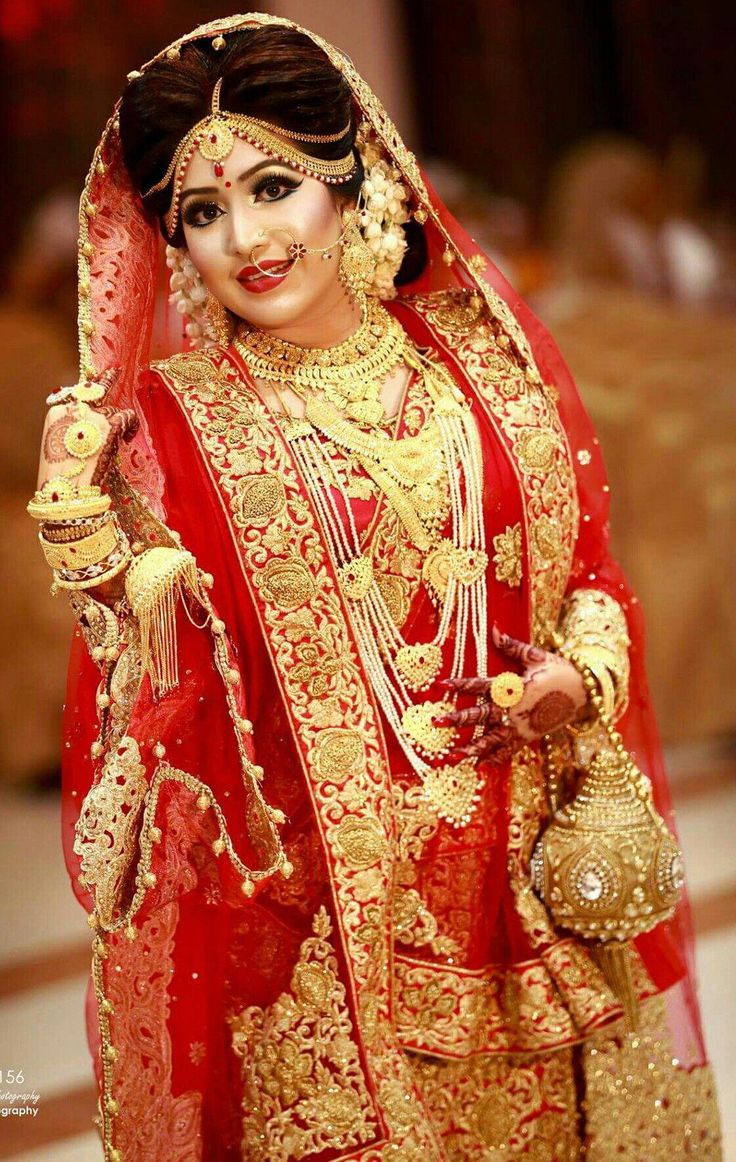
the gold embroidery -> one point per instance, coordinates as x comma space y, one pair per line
106, 830
362, 895
287, 584
360, 841
303, 1086
536, 1005
339, 753
491, 1107
260, 498
507, 558
132, 987
641, 1103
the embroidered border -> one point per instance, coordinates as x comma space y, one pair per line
294, 590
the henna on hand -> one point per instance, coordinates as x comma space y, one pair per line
471, 716
496, 747
123, 426
552, 711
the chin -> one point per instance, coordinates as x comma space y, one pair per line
278, 308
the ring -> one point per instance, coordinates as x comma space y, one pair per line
507, 689
295, 250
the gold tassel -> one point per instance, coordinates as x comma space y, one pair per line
154, 584
614, 960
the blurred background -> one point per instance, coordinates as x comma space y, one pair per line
589, 147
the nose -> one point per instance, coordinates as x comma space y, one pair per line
242, 236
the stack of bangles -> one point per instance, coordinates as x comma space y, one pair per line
598, 663
79, 534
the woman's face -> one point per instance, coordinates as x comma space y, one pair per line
260, 205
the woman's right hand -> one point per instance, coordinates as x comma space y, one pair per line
55, 460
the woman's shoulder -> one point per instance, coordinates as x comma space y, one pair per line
452, 310
187, 368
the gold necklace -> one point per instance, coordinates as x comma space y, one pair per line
450, 447
350, 375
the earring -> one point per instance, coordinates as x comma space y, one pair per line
217, 320
357, 266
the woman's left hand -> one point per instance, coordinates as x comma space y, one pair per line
554, 695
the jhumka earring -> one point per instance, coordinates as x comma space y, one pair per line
357, 265
218, 320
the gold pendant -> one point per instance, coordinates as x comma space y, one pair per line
454, 791
419, 665
366, 411
468, 564
357, 577
416, 721
437, 567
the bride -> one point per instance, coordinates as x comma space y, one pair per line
362, 791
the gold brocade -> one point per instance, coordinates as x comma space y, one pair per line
108, 823
298, 601
641, 1103
503, 1108
534, 1006
137, 981
303, 1086
530, 429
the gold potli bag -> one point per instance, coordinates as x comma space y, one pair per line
154, 584
607, 867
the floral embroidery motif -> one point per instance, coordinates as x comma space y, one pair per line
303, 1086
298, 602
493, 1107
106, 830
507, 558
137, 990
537, 1005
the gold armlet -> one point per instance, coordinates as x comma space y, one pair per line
153, 585
89, 547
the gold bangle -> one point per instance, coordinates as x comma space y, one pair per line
72, 530
89, 550
60, 499
95, 574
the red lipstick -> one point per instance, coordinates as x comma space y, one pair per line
252, 280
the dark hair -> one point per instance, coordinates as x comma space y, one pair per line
275, 73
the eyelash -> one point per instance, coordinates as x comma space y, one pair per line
279, 180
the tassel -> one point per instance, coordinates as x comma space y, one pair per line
614, 960
154, 584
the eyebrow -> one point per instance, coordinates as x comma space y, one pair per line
247, 173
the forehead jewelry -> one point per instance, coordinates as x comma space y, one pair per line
214, 136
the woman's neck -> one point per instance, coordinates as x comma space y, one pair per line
336, 319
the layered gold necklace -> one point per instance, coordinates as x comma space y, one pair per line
349, 375
340, 387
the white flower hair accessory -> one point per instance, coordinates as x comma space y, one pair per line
189, 296
385, 210
384, 200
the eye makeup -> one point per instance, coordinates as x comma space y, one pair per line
278, 179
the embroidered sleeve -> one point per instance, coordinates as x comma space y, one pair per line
594, 625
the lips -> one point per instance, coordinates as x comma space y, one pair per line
253, 279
